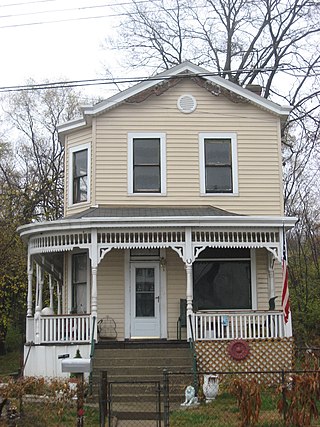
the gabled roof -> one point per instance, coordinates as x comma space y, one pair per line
181, 70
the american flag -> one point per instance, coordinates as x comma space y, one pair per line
285, 287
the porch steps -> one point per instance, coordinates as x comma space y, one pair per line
138, 361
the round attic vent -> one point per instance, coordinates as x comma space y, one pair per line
187, 103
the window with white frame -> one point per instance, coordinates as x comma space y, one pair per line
222, 280
79, 283
146, 163
218, 163
79, 174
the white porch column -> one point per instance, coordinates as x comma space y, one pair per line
94, 290
58, 298
189, 297
94, 272
29, 295
271, 261
51, 291
188, 257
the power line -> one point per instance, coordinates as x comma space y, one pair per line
70, 10
113, 15
26, 3
122, 80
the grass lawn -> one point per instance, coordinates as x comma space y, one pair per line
224, 412
55, 415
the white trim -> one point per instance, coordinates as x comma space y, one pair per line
163, 167
234, 158
28, 230
156, 333
71, 151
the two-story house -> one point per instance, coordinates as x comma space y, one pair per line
173, 196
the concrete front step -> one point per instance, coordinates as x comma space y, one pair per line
141, 362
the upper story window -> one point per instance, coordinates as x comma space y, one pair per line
79, 174
218, 163
146, 163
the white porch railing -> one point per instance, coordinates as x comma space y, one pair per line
64, 328
235, 325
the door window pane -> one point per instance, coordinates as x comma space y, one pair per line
145, 297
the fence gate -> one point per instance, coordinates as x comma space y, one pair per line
134, 403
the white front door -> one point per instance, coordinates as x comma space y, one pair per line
145, 300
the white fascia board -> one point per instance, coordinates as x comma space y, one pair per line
87, 224
66, 127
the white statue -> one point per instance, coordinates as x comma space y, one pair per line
190, 397
210, 387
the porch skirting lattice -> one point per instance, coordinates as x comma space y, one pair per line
264, 355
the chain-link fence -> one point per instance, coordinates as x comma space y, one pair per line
177, 399
217, 399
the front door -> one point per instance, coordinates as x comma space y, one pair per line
145, 300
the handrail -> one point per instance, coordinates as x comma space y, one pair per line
92, 347
194, 356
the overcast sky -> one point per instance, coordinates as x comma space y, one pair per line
55, 39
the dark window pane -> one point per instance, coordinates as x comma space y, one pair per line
145, 292
79, 268
218, 152
80, 176
80, 163
146, 151
222, 285
218, 179
79, 283
146, 165
146, 178
211, 253
144, 305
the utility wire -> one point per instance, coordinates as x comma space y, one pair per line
79, 8
122, 80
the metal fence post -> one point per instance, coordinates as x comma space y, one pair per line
284, 401
103, 398
166, 398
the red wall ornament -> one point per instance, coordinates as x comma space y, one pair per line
238, 349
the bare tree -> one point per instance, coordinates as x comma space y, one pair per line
33, 117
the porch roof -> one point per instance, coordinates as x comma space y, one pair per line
151, 212
141, 218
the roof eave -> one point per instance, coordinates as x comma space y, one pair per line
28, 230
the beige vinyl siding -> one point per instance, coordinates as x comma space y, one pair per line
262, 279
72, 141
111, 289
278, 284
259, 164
176, 290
